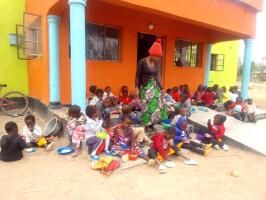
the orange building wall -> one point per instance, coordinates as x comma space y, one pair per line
213, 28
38, 71
120, 73
222, 15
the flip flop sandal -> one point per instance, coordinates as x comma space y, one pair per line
190, 162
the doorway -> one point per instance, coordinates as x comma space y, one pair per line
145, 41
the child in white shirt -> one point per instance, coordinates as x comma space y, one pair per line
33, 135
93, 131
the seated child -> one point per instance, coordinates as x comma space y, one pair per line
124, 98
198, 95
215, 90
186, 103
107, 92
181, 112
11, 144
98, 100
76, 128
251, 110
234, 93
127, 110
182, 139
169, 98
161, 148
208, 99
181, 89
33, 135
135, 102
225, 95
139, 132
92, 93
216, 132
94, 126
175, 94
187, 91
237, 110
124, 142
171, 104
108, 109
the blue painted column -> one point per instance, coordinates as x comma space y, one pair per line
208, 64
78, 54
54, 76
246, 68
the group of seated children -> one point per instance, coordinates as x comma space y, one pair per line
243, 110
178, 97
107, 103
14, 143
95, 130
207, 96
126, 139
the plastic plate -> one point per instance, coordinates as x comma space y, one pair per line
30, 150
65, 150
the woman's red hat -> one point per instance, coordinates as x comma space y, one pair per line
156, 48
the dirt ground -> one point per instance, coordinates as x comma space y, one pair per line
43, 175
258, 92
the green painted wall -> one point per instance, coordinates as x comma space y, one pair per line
12, 70
228, 76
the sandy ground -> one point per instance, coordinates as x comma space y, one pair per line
43, 175
258, 91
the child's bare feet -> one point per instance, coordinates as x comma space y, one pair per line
151, 162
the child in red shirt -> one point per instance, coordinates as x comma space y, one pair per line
217, 130
208, 99
124, 97
163, 146
175, 94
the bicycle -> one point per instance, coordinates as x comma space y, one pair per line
13, 103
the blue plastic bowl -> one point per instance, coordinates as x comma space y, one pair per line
65, 150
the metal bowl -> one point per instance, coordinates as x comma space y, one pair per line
53, 127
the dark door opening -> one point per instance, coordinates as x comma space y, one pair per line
145, 41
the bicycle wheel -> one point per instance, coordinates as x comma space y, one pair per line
14, 103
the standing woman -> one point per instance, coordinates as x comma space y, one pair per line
149, 88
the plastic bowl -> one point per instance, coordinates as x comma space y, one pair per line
65, 150
52, 127
133, 157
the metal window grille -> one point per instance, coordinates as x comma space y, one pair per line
217, 62
30, 45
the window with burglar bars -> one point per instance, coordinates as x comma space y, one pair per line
102, 42
29, 37
186, 53
217, 62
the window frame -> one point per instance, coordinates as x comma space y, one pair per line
104, 43
198, 61
215, 68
